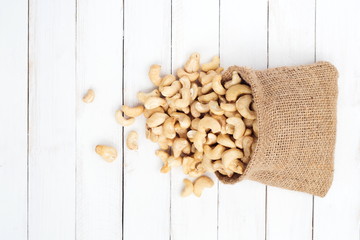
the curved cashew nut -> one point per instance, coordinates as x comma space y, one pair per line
213, 65
226, 141
171, 101
209, 123
133, 111
149, 112
89, 96
201, 107
142, 96
201, 183
169, 128
218, 166
167, 80
185, 100
242, 105
208, 97
236, 90
194, 112
194, 91
154, 102
154, 74
122, 120
193, 63
207, 164
179, 145
217, 86
195, 123
191, 134
156, 119
215, 109
206, 88
247, 142
182, 118
132, 140
214, 153
211, 139
228, 107
222, 120
109, 154
230, 159
192, 76
188, 188
182, 132
169, 91
235, 80
206, 78
239, 126
199, 140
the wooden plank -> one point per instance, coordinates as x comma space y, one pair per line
52, 120
291, 42
13, 127
338, 40
242, 206
195, 29
99, 67
147, 41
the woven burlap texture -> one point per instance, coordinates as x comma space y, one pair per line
296, 112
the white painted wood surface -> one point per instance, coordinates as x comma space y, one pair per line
53, 185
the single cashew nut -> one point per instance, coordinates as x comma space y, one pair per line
109, 154
247, 142
132, 111
154, 102
214, 153
143, 96
132, 140
225, 140
192, 76
148, 112
89, 96
211, 139
156, 119
215, 109
167, 80
231, 160
182, 118
201, 107
239, 126
169, 128
169, 91
209, 123
194, 112
213, 65
154, 74
199, 140
236, 90
122, 120
201, 183
206, 88
242, 105
195, 123
179, 145
235, 80
188, 188
228, 107
208, 97
218, 166
217, 86
193, 64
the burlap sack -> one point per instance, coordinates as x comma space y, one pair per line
296, 111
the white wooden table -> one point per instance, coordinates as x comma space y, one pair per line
54, 186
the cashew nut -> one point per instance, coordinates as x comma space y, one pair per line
143, 96
211, 139
132, 140
157, 130
167, 80
248, 122
235, 80
179, 145
182, 118
236, 90
89, 96
206, 78
194, 112
169, 91
202, 107
209, 123
247, 142
239, 126
242, 105
154, 74
231, 160
201, 183
182, 132
188, 188
217, 86
194, 91
213, 65
214, 153
193, 64
192, 76
154, 102
219, 70
228, 107
208, 97
156, 119
122, 120
206, 88
218, 166
169, 128
133, 111
215, 109
195, 123
199, 140
225, 140
148, 112
109, 154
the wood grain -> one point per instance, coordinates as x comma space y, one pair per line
13, 127
337, 216
99, 67
242, 206
146, 190
291, 42
52, 108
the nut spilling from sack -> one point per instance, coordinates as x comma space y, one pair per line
200, 122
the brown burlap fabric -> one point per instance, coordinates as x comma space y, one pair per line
296, 111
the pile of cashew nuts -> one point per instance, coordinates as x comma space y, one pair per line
200, 122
